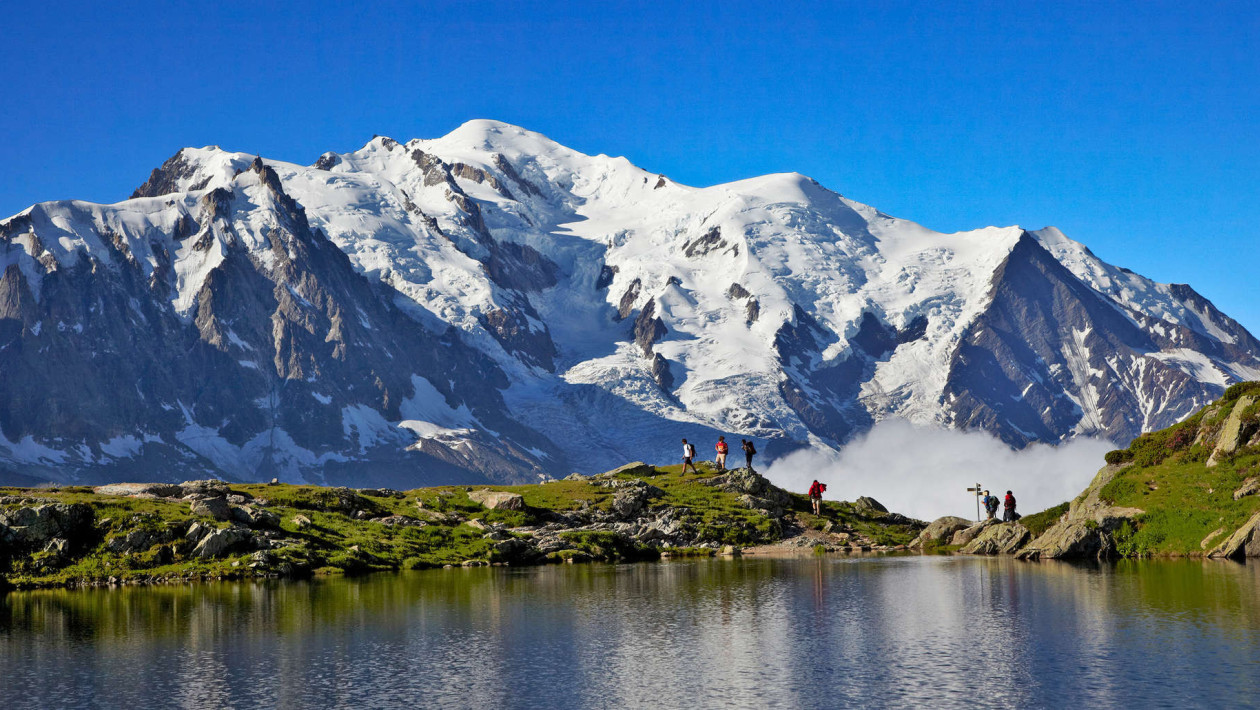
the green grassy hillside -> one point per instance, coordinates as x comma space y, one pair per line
76, 536
1189, 505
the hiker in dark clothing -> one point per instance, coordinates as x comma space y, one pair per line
749, 450
689, 455
990, 505
1008, 508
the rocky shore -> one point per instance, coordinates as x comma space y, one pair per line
144, 533
1189, 490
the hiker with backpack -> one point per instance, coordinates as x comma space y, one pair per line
722, 448
689, 453
815, 496
749, 450
1008, 509
990, 505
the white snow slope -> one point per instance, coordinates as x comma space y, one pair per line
728, 270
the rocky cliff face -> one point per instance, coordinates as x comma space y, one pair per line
492, 305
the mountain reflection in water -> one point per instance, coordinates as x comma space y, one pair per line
801, 632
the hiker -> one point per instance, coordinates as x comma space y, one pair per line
990, 505
815, 496
722, 448
1008, 509
749, 450
689, 453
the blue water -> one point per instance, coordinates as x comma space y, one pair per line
803, 632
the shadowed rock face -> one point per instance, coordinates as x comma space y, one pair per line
288, 356
1007, 375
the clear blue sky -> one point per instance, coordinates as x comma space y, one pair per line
1135, 128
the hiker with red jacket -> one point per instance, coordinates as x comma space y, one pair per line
689, 453
815, 496
1008, 508
722, 448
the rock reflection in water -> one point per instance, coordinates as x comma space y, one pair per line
816, 632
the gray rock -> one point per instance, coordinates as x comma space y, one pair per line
940, 530
576, 477
634, 468
1249, 487
221, 542
630, 500
35, 526
216, 508
748, 481
197, 531
380, 492
301, 522
1245, 542
869, 505
1071, 539
1231, 436
159, 490
498, 499
400, 520
133, 541
212, 487
999, 539
971, 532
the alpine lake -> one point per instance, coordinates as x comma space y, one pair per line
811, 631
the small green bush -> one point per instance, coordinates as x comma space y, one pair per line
1118, 456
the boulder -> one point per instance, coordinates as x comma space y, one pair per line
999, 539
35, 526
1245, 542
939, 530
636, 468
1249, 487
197, 531
400, 520
869, 505
498, 499
630, 500
971, 532
344, 500
211, 487
748, 481
576, 477
1071, 539
380, 492
220, 542
301, 522
1231, 436
765, 506
133, 541
159, 490
216, 508
254, 517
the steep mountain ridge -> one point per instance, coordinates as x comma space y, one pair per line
508, 307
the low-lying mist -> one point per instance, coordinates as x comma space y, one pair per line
925, 472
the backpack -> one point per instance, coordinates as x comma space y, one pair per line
691, 450
751, 449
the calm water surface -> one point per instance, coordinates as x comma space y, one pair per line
808, 632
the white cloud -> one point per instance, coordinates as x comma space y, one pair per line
924, 472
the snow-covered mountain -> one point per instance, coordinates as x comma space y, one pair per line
491, 304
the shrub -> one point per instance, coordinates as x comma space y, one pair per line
1118, 456
1235, 391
